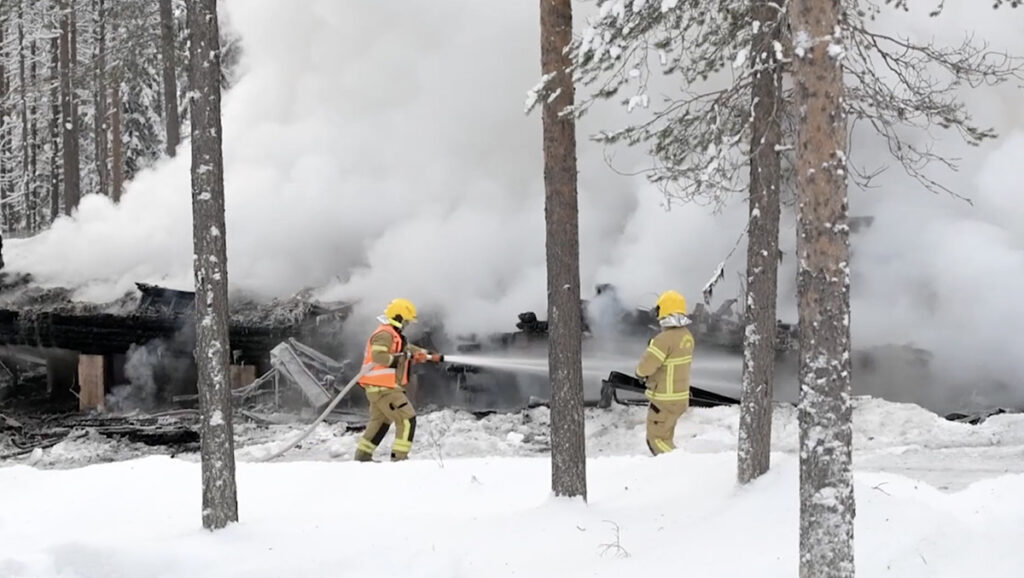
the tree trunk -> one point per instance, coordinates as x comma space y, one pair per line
33, 150
568, 449
55, 131
167, 51
101, 117
69, 112
827, 507
220, 505
116, 142
5, 170
755, 433
26, 169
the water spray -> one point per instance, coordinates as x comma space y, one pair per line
721, 372
538, 365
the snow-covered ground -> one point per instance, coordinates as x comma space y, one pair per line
891, 437
934, 498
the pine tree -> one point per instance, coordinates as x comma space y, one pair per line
168, 59
220, 503
827, 507
565, 323
69, 107
767, 107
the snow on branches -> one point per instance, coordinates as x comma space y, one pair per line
698, 135
694, 135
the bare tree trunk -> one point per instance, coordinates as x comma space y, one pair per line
220, 504
5, 177
26, 169
101, 117
69, 112
55, 130
755, 432
568, 449
33, 159
116, 142
827, 507
171, 120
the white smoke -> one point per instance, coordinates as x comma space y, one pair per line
141, 390
376, 150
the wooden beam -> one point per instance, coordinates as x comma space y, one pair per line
92, 376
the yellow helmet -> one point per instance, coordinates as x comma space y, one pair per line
400, 311
669, 303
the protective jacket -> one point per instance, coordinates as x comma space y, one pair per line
383, 349
665, 364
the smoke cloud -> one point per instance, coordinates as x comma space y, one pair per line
376, 150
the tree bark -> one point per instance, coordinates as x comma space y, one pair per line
116, 142
33, 151
167, 51
827, 507
568, 449
755, 431
5, 170
69, 111
55, 131
220, 504
27, 177
101, 118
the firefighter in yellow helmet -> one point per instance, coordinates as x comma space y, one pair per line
384, 384
665, 367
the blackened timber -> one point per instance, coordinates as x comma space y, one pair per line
105, 334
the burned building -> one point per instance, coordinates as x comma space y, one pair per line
61, 355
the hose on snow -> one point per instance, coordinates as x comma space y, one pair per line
323, 415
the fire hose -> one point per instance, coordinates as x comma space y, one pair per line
323, 415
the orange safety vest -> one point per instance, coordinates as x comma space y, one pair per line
380, 375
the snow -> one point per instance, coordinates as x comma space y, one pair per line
641, 100
484, 507
217, 418
741, 58
801, 43
533, 94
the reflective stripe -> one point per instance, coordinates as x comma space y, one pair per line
662, 445
656, 352
667, 396
380, 348
679, 360
365, 445
388, 371
408, 429
401, 446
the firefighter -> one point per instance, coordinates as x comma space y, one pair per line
384, 384
665, 369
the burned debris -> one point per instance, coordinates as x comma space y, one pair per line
71, 361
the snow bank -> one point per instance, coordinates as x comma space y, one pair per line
677, 514
888, 437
